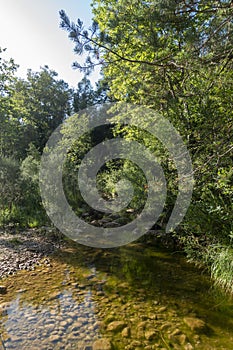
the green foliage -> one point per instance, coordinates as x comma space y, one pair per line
44, 103
30, 206
84, 96
10, 135
175, 57
20, 201
30, 110
9, 179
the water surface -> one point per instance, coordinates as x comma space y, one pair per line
137, 297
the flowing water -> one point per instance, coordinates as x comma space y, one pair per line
134, 297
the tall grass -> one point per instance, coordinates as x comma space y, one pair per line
216, 257
221, 268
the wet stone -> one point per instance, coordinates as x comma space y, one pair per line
54, 338
195, 324
116, 326
76, 326
102, 344
135, 344
73, 315
176, 332
162, 309
64, 324
182, 339
165, 326
151, 334
126, 332
71, 337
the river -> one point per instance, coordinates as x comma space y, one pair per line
134, 297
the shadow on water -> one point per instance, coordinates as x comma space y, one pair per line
136, 296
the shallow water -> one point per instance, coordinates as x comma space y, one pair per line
156, 297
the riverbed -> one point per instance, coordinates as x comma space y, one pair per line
133, 297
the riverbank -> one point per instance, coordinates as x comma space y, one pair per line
23, 250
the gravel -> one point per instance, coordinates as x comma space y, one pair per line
23, 250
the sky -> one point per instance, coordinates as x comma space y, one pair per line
29, 30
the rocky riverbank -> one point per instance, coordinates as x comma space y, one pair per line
26, 249
23, 250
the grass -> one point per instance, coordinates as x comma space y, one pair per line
216, 258
222, 269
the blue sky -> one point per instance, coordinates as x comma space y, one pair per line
30, 32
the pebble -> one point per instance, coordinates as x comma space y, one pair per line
54, 338
102, 344
162, 309
23, 251
151, 334
116, 326
182, 339
126, 332
195, 324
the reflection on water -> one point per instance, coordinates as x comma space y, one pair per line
135, 297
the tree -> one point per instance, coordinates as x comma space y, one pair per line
84, 96
10, 123
162, 29
177, 58
46, 102
30, 110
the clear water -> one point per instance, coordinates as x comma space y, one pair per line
73, 302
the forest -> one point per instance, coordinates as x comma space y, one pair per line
175, 57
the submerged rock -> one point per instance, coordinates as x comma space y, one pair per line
3, 308
102, 344
54, 338
162, 309
134, 345
126, 332
182, 339
116, 326
195, 324
151, 334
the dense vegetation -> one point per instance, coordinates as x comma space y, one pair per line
175, 57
